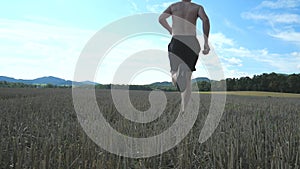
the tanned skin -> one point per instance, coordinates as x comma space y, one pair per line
182, 12
184, 19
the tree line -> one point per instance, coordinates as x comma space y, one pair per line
271, 82
4, 84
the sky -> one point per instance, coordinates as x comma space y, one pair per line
46, 38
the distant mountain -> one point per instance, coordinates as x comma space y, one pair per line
88, 83
8, 79
201, 79
46, 80
165, 83
51, 80
62, 82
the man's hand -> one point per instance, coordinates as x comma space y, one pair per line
206, 49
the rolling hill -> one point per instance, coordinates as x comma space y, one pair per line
62, 82
46, 80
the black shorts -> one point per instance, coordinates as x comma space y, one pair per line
183, 49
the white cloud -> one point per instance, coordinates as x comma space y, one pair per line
282, 24
234, 57
290, 36
219, 40
280, 62
231, 25
30, 50
295, 54
30, 31
230, 73
280, 4
158, 8
234, 61
131, 54
134, 6
273, 18
237, 51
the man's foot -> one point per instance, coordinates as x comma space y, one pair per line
181, 78
174, 79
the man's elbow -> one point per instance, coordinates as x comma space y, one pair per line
205, 20
161, 19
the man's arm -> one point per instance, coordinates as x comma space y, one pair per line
163, 19
206, 28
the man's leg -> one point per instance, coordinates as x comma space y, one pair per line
174, 64
186, 94
174, 77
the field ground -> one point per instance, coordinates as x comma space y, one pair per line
256, 93
39, 129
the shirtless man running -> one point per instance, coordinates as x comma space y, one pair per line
184, 47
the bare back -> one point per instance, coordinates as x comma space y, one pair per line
184, 18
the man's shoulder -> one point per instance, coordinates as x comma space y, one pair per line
179, 3
197, 5
175, 3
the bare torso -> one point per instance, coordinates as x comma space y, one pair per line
184, 18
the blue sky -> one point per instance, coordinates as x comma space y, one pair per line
43, 38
